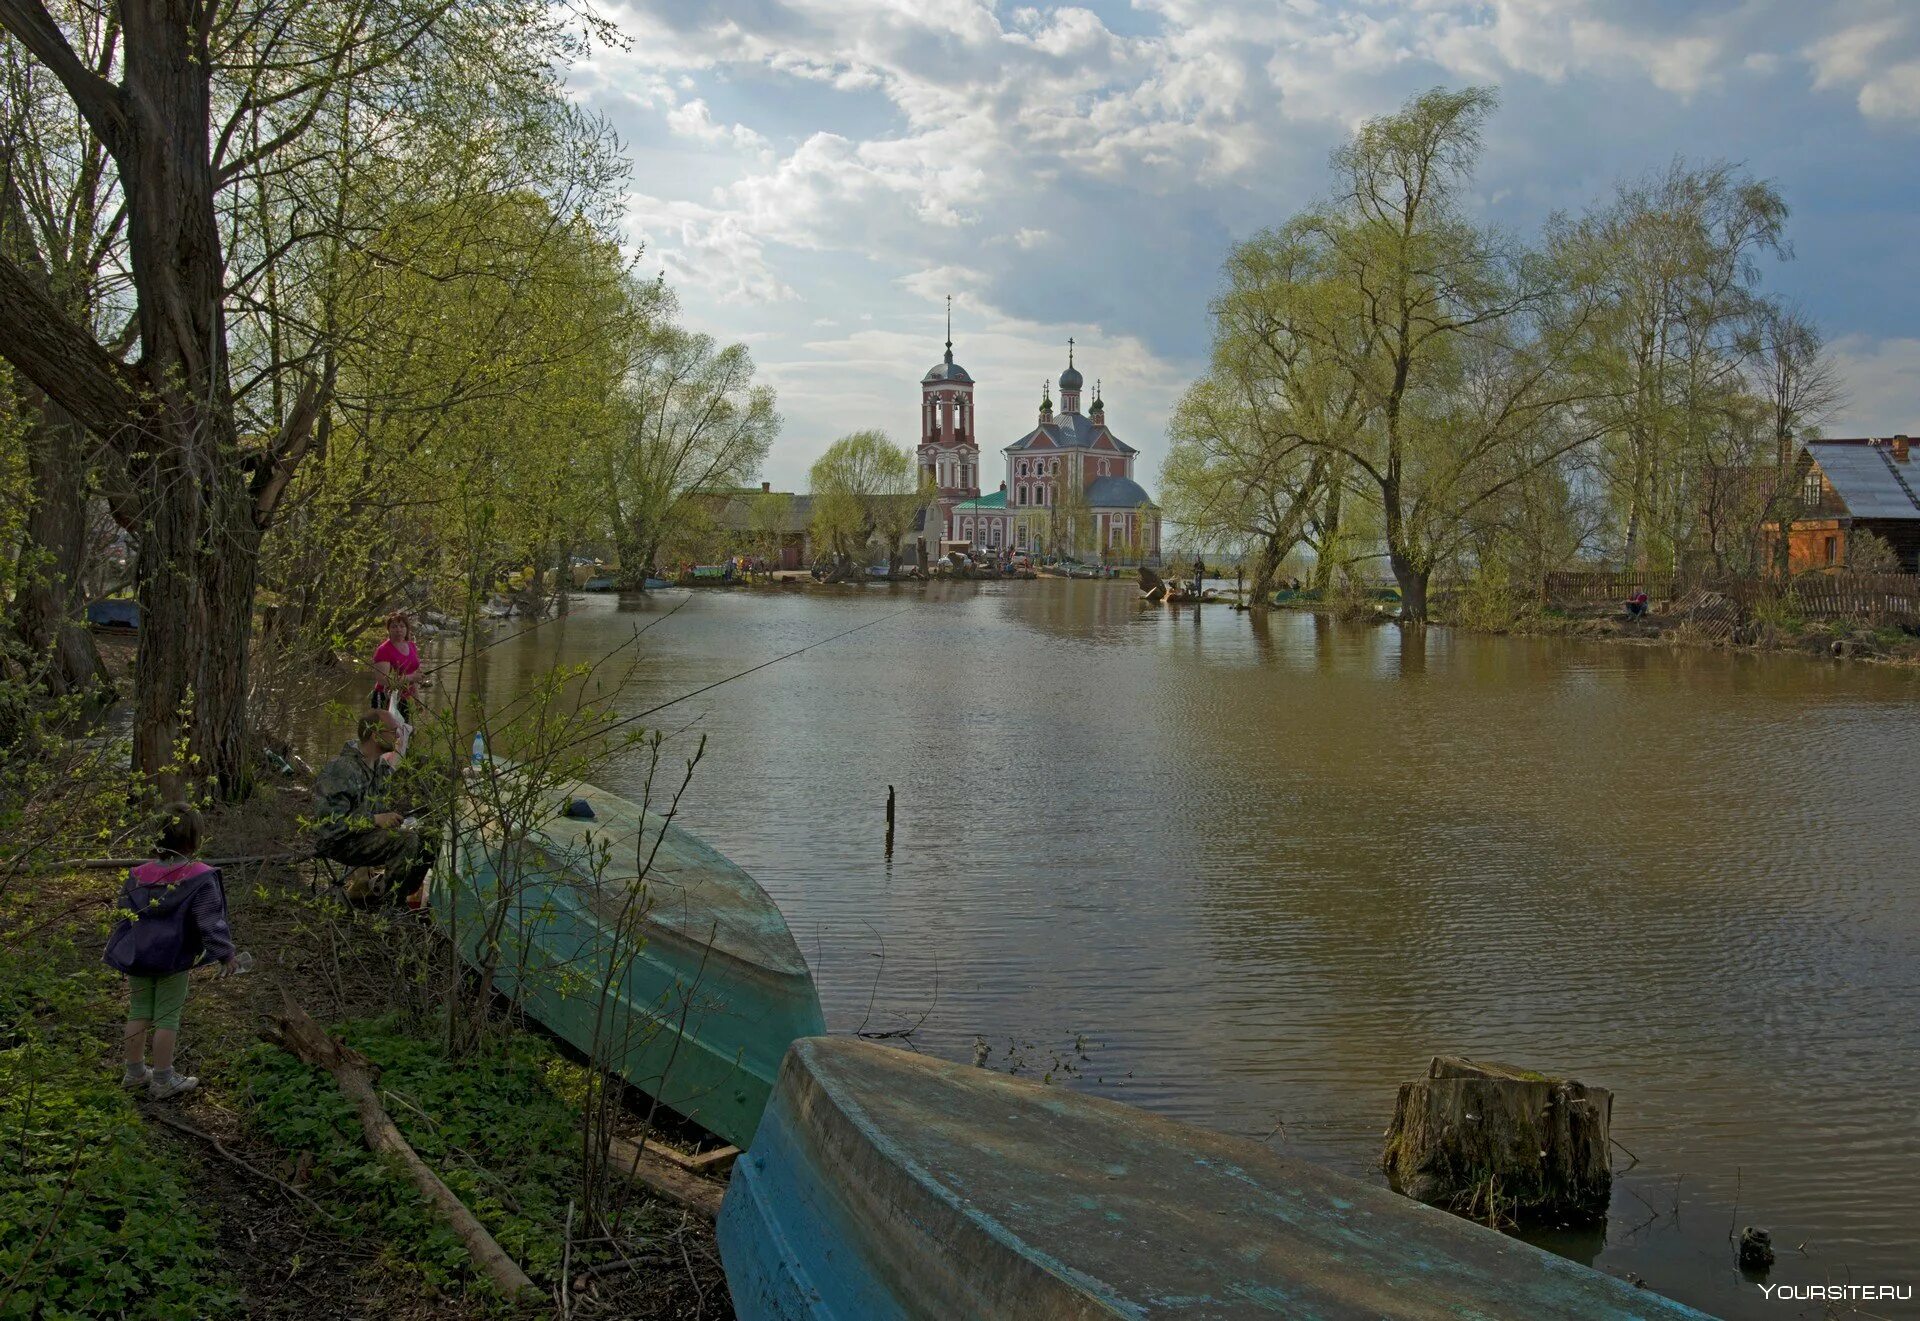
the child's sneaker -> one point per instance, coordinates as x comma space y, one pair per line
136, 1075
165, 1087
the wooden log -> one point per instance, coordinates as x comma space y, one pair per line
298, 1034
1502, 1144
662, 1177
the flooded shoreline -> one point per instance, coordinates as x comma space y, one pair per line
1252, 871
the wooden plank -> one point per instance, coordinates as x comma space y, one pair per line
647, 1167
717, 1161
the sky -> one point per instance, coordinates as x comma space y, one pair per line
816, 176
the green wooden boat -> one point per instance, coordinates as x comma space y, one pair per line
886, 1186
697, 1011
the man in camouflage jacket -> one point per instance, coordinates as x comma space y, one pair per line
351, 825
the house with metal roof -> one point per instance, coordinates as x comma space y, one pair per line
1848, 487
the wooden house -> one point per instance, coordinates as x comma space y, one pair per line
1852, 486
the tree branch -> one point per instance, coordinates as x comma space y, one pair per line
95, 97
58, 356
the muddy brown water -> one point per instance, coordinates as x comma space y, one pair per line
1253, 872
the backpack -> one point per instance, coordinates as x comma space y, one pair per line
157, 935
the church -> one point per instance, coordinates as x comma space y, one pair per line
1069, 488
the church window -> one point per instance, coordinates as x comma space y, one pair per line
1054, 466
1103, 467
1023, 467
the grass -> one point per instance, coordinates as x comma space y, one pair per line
104, 1213
95, 1219
493, 1127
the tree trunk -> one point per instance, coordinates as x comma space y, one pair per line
49, 604
1329, 538
1502, 1144
1413, 590
1265, 567
636, 558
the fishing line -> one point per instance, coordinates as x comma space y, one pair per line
642, 715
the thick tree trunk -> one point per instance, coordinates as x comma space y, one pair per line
636, 559
1329, 538
1266, 566
1412, 579
50, 603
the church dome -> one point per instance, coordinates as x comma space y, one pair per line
1070, 379
947, 370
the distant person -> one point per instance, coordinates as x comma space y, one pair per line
351, 823
172, 919
1637, 605
395, 662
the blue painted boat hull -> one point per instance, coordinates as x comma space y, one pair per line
114, 613
889, 1185
698, 1011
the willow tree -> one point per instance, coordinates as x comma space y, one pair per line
863, 486
1238, 474
193, 103
1672, 262
1426, 351
690, 421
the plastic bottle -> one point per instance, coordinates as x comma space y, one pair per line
479, 749
242, 963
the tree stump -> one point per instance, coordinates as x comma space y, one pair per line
1502, 1145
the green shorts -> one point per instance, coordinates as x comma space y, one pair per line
158, 1000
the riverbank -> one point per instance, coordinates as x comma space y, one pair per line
1717, 629
1709, 624
255, 1196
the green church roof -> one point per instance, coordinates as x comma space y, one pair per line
998, 500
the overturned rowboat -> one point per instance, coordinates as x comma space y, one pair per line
887, 1184
690, 985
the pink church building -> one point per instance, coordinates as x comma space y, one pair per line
1065, 451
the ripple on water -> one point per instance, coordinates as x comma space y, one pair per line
1268, 866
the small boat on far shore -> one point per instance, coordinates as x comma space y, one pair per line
888, 1184
117, 614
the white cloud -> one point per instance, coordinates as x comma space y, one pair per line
693, 119
1878, 60
1883, 386
711, 249
1058, 176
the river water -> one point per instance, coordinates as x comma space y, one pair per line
1253, 871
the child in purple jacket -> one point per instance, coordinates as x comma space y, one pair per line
173, 918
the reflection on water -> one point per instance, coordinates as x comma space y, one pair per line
1267, 866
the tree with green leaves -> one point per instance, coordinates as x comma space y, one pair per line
1422, 349
689, 421
1671, 266
863, 486
209, 122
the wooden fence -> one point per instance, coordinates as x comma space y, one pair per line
1883, 598
1577, 588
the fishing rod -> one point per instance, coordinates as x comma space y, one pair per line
642, 715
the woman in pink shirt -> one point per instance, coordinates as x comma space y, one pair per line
396, 661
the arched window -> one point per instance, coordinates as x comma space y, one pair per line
1023, 493
1023, 467
1054, 466
1103, 467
